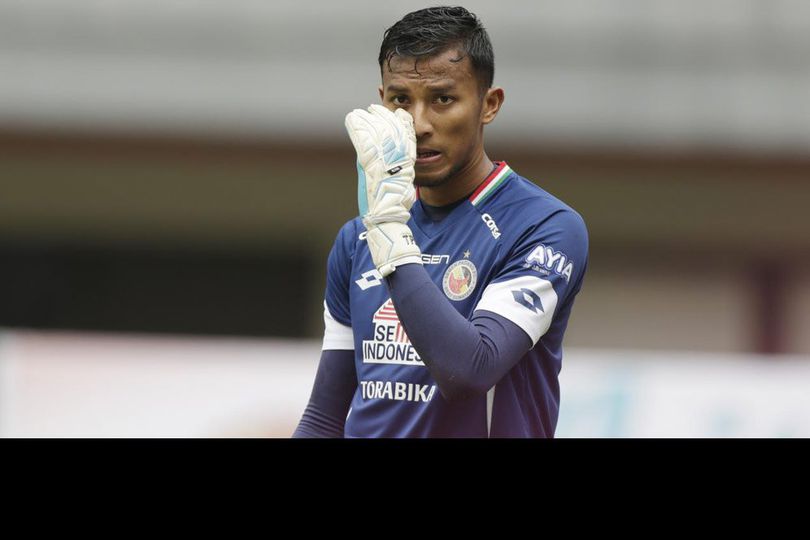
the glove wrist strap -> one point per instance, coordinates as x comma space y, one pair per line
391, 245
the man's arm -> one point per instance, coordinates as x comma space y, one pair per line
336, 379
331, 397
465, 357
515, 310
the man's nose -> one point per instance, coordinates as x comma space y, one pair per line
421, 123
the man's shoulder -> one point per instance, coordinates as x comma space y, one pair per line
523, 205
346, 240
349, 233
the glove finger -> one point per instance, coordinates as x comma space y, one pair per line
360, 119
400, 124
383, 112
407, 121
405, 117
359, 122
387, 116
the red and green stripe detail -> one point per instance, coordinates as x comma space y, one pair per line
489, 186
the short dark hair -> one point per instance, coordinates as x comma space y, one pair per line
431, 31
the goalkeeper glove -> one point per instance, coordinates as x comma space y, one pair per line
385, 142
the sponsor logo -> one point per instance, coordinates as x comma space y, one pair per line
435, 259
545, 260
459, 280
398, 391
390, 343
369, 279
363, 235
372, 278
529, 299
493, 228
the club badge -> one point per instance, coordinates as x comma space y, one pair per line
459, 280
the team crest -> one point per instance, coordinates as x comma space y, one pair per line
459, 280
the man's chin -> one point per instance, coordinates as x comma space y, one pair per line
429, 180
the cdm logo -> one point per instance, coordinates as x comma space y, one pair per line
493, 227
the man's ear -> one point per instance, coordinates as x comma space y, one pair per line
492, 104
381, 92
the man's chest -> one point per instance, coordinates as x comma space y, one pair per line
460, 262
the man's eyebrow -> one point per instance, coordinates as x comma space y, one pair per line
449, 85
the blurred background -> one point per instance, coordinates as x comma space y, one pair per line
173, 174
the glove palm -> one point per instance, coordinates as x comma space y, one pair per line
385, 142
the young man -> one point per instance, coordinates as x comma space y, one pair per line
446, 303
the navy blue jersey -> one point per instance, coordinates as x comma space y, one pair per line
512, 249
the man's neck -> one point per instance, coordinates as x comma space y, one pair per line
463, 183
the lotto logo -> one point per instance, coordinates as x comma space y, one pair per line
369, 279
528, 299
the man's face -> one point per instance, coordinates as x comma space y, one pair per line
444, 99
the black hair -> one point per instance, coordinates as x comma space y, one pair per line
431, 31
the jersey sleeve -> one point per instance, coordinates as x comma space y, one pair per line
542, 272
336, 307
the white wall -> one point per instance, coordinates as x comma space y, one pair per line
89, 385
684, 394
57, 384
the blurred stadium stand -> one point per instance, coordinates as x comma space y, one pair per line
178, 168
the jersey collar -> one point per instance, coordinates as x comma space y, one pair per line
491, 184
484, 192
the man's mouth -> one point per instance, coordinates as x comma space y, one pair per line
427, 156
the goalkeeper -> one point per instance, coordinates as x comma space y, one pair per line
447, 298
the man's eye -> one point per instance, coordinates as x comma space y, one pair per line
398, 100
446, 100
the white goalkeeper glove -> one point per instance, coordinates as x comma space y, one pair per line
385, 142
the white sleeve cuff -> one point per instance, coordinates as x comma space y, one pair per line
336, 336
527, 301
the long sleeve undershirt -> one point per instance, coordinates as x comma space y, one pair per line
331, 396
465, 357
